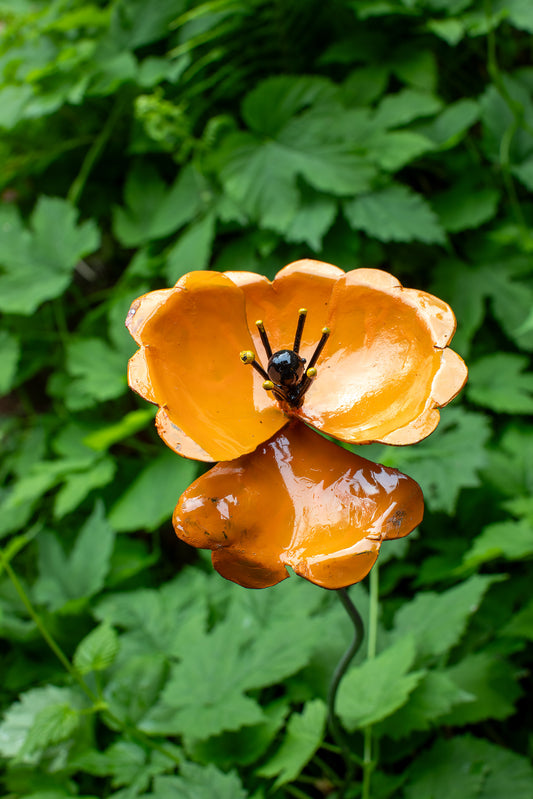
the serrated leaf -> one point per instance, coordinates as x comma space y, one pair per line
36, 264
396, 110
511, 540
450, 459
304, 736
493, 687
140, 507
199, 782
372, 691
500, 382
521, 625
9, 356
20, 719
452, 124
434, 696
51, 725
192, 250
312, 221
97, 651
392, 150
395, 213
154, 210
464, 207
135, 686
437, 621
78, 485
98, 373
469, 768
80, 574
520, 14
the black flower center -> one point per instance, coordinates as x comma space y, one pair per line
286, 374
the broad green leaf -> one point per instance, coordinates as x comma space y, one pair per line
451, 30
450, 459
395, 213
521, 625
463, 207
272, 104
392, 150
434, 696
519, 13
78, 485
396, 110
135, 686
192, 250
469, 768
498, 116
500, 382
154, 210
493, 687
79, 575
304, 736
415, 66
198, 782
97, 370
374, 690
131, 423
312, 221
512, 540
438, 621
452, 124
36, 263
524, 173
97, 650
9, 356
47, 711
510, 467
141, 507
134, 23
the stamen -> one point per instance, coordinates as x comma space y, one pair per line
264, 338
268, 385
302, 314
320, 346
311, 373
248, 357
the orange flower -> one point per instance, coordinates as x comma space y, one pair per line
298, 500
230, 358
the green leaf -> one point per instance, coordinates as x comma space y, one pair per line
36, 264
521, 625
142, 508
82, 573
372, 691
97, 650
192, 250
135, 23
396, 110
135, 686
98, 373
450, 459
452, 124
520, 14
509, 469
131, 423
312, 220
9, 356
524, 173
469, 768
154, 210
500, 382
463, 207
198, 782
392, 150
438, 621
304, 736
395, 213
78, 485
493, 687
511, 540
42, 715
451, 30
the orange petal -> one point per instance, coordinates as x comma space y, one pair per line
298, 500
212, 406
302, 284
383, 370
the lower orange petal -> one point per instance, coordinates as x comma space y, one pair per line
298, 500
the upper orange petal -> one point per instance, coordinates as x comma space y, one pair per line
302, 284
212, 406
298, 500
383, 370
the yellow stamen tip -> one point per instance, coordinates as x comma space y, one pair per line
268, 385
326, 331
311, 372
247, 356
259, 323
302, 312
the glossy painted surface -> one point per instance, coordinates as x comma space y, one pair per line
381, 377
377, 373
298, 500
212, 408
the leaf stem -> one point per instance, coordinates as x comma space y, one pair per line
368, 761
333, 721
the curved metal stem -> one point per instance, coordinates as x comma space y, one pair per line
333, 721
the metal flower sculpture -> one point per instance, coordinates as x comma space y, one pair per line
237, 364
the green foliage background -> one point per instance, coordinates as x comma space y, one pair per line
141, 139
